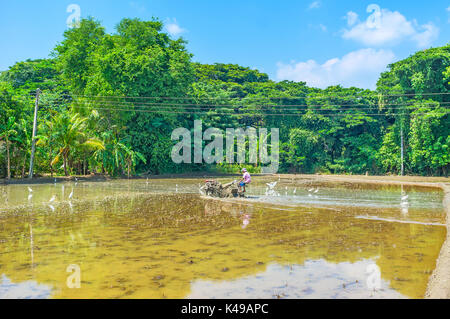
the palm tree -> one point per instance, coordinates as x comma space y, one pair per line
24, 139
46, 138
117, 154
71, 133
131, 158
7, 131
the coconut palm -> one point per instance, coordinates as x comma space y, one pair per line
7, 131
46, 139
117, 154
23, 138
71, 133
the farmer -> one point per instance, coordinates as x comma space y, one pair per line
246, 179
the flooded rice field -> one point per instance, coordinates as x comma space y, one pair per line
163, 239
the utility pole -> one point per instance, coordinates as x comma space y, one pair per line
33, 140
401, 148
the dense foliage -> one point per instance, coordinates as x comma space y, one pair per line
110, 102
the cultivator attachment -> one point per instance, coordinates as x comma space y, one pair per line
214, 188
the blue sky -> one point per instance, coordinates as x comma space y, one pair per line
322, 42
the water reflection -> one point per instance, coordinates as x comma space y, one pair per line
404, 204
245, 220
23, 290
155, 245
313, 279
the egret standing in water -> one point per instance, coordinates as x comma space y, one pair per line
270, 191
30, 191
271, 185
404, 204
52, 199
71, 194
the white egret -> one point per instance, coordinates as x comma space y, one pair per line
272, 185
71, 194
30, 189
52, 199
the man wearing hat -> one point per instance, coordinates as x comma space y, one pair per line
246, 179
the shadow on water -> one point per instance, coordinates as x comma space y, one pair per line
173, 243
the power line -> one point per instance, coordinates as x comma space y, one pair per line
250, 99
254, 114
373, 95
283, 106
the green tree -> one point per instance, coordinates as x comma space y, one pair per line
7, 132
70, 133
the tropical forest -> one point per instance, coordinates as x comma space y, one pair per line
107, 103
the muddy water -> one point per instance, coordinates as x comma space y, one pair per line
161, 239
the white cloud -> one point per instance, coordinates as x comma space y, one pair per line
429, 33
385, 27
448, 10
173, 28
320, 27
359, 68
314, 5
137, 6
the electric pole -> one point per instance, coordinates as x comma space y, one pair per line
401, 149
33, 140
